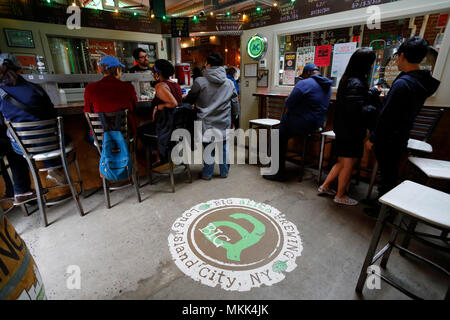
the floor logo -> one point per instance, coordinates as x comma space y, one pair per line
236, 243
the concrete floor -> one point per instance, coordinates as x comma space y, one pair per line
123, 252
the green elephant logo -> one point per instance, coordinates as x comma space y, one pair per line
256, 47
248, 239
